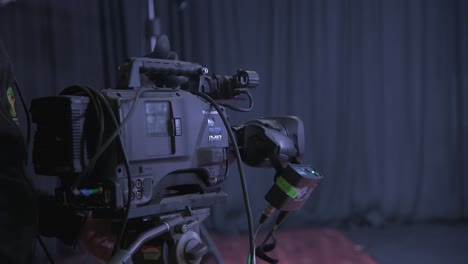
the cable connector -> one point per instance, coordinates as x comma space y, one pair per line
282, 215
267, 212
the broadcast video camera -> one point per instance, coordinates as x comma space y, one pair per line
156, 149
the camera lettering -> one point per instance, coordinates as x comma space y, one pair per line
214, 138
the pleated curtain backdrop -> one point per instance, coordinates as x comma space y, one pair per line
54, 44
380, 85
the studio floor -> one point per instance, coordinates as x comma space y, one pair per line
401, 244
395, 244
409, 244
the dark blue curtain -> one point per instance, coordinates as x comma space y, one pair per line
54, 44
381, 86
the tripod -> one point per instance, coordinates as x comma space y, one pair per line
175, 237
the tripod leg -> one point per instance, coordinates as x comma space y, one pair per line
211, 244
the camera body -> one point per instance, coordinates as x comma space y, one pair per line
155, 151
174, 142
156, 154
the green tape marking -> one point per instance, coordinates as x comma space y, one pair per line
286, 187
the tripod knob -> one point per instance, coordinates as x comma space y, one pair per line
194, 251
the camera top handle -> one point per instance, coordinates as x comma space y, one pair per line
130, 71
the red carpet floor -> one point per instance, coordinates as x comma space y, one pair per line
321, 246
324, 246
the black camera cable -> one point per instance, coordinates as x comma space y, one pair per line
108, 142
241, 171
103, 100
239, 109
119, 238
264, 247
84, 90
97, 99
103, 148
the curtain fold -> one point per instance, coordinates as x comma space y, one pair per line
54, 44
380, 85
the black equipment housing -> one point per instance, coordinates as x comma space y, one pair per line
175, 142
157, 147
